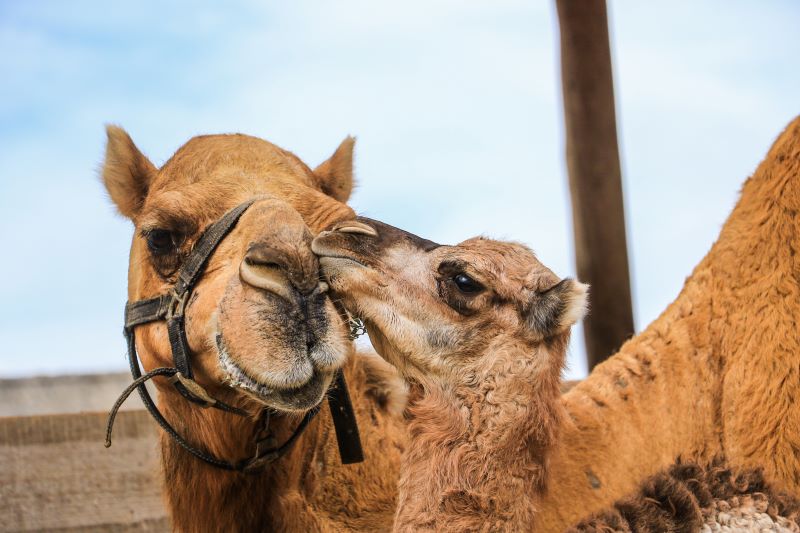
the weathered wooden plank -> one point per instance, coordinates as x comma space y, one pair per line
594, 175
45, 395
55, 474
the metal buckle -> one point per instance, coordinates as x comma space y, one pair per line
357, 327
177, 305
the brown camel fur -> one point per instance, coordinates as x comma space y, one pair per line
718, 373
262, 333
480, 331
688, 496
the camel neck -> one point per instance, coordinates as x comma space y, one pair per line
203, 497
477, 447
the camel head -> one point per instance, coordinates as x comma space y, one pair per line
435, 310
259, 324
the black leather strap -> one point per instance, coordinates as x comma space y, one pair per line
176, 329
190, 272
344, 422
156, 414
145, 311
194, 265
271, 453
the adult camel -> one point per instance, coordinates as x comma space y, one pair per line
259, 331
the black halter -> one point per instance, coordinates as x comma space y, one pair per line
172, 307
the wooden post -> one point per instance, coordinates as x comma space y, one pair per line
594, 174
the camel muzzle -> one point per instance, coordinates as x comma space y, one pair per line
171, 307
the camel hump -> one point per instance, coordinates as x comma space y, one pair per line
759, 240
776, 181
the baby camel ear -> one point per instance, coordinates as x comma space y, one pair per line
127, 173
335, 176
555, 310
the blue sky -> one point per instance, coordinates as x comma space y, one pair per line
456, 106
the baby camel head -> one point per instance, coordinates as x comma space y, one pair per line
435, 310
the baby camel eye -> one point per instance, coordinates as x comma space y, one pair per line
466, 284
161, 241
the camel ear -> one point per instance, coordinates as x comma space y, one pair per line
555, 310
335, 176
127, 173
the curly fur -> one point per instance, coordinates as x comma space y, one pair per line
688, 495
478, 455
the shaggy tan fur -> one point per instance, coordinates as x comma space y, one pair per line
717, 373
480, 331
262, 333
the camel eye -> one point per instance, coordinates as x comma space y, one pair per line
161, 241
466, 284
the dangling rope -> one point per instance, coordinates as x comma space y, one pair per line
161, 371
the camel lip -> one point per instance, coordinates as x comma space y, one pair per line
327, 252
326, 260
296, 399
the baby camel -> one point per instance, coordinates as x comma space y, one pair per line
479, 331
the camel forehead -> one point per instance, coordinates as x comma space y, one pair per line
498, 257
208, 159
506, 263
508, 266
499, 251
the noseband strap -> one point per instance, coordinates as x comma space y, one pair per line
171, 307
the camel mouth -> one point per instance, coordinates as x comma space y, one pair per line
290, 399
336, 256
329, 260
330, 252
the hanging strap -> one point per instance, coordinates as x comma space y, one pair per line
344, 422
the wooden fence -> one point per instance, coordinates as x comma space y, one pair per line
56, 475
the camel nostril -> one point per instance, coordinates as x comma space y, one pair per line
267, 277
265, 268
263, 255
356, 227
266, 264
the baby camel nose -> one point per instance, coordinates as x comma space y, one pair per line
280, 272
